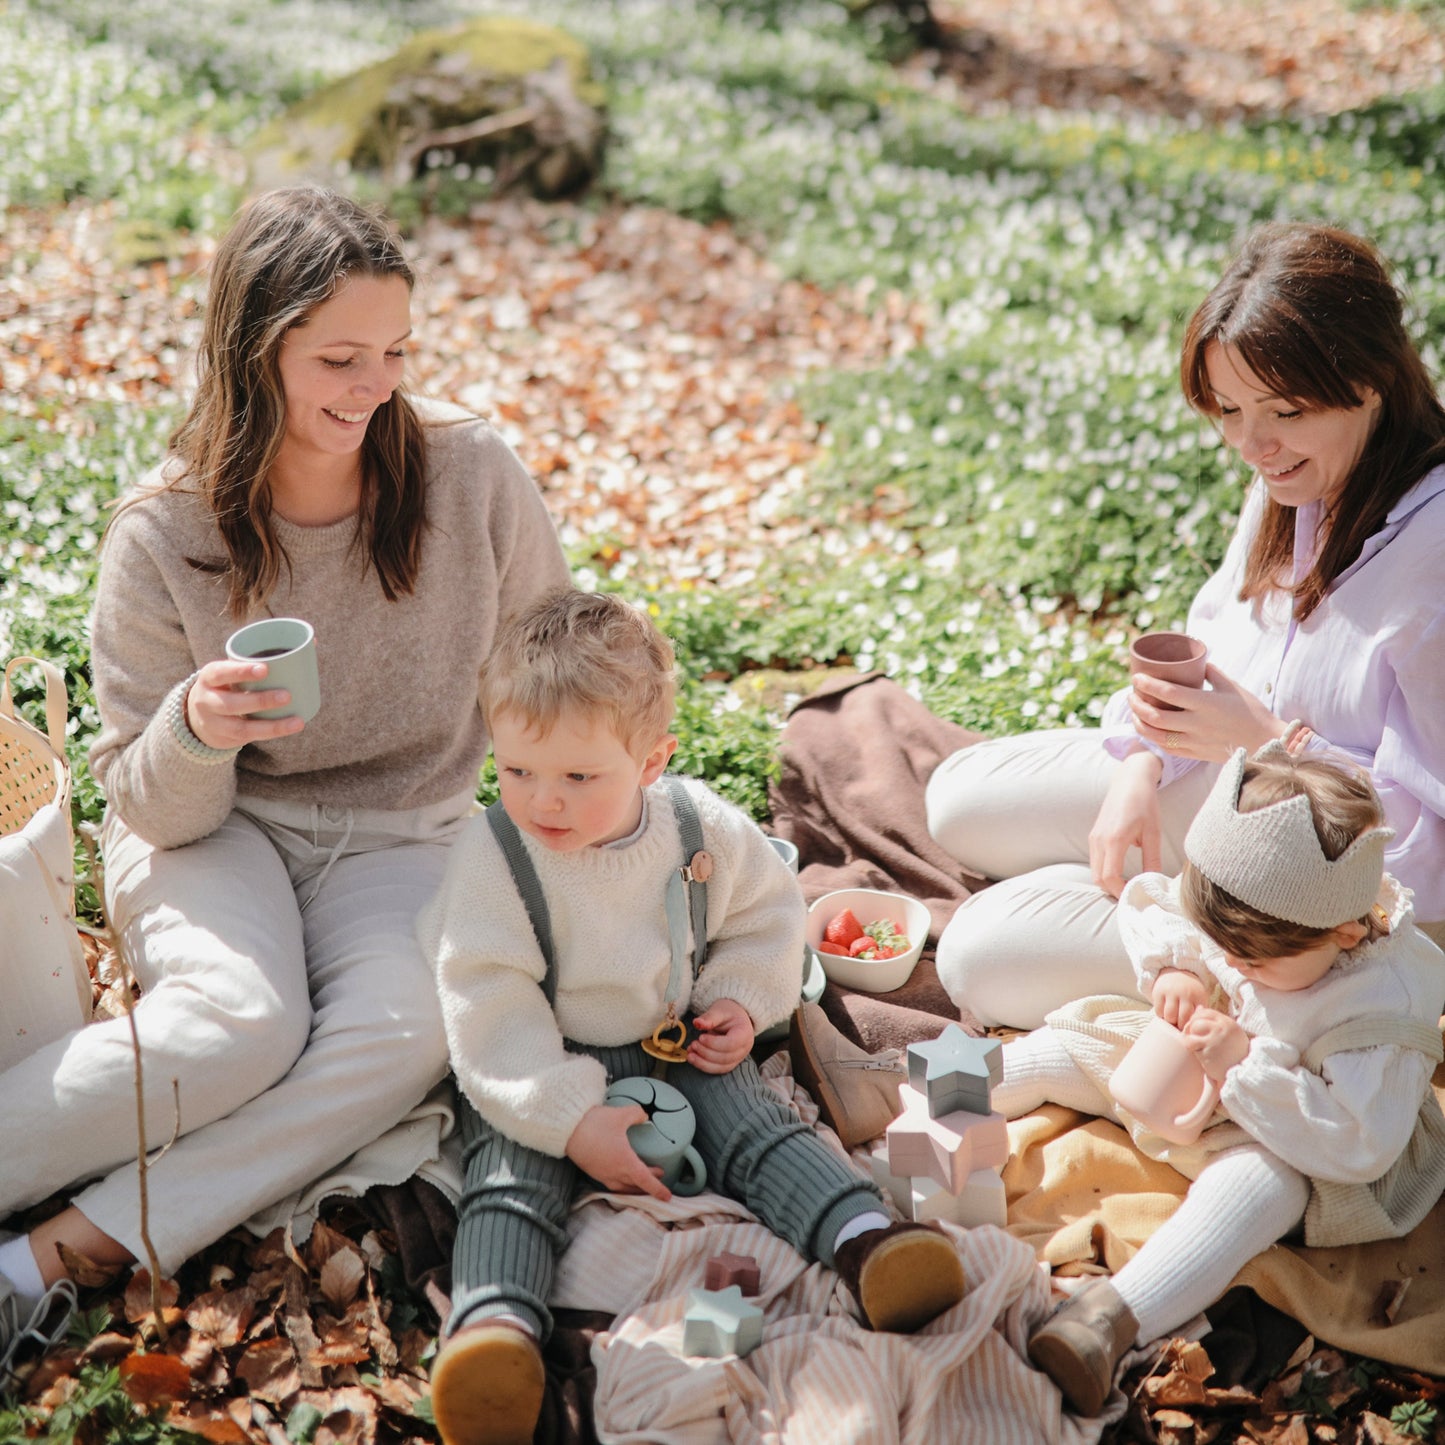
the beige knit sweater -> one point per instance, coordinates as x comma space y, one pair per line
399, 726
609, 931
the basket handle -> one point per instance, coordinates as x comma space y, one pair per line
56, 698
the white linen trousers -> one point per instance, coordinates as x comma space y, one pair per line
282, 987
1019, 809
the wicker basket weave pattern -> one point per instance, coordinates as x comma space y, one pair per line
33, 771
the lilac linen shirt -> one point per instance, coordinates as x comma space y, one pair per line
1366, 670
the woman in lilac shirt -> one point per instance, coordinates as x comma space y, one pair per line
1329, 607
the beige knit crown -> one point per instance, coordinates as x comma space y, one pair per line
1271, 859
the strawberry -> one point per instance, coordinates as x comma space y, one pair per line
863, 947
843, 929
884, 951
828, 946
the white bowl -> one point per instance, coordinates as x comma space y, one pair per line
871, 975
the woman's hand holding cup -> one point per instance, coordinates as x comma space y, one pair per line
1205, 723
267, 687
221, 713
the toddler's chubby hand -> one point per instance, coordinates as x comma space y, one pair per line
1218, 1040
599, 1147
1177, 993
724, 1038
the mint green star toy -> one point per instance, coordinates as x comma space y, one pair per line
720, 1322
955, 1071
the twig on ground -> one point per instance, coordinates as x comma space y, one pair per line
130, 986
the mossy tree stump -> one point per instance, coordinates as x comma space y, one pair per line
504, 93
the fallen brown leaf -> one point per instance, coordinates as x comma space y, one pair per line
349, 1417
109, 1345
341, 1277
209, 1424
84, 1270
1174, 1427
223, 1317
138, 1298
269, 1369
1379, 1431
154, 1379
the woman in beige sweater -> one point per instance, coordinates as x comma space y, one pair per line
263, 874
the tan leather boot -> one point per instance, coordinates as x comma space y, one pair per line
487, 1385
903, 1276
1080, 1345
856, 1092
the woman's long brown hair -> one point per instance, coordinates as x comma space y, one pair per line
287, 252
1312, 311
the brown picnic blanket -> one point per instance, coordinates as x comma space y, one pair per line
856, 758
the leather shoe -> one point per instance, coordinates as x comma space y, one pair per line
903, 1276
1080, 1345
856, 1092
487, 1385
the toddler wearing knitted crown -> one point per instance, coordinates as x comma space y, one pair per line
1290, 960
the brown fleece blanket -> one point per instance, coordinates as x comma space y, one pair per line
856, 757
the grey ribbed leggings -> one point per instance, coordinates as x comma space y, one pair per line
512, 1218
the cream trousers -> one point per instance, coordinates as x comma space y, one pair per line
1019, 809
284, 993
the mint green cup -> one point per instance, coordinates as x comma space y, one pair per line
287, 646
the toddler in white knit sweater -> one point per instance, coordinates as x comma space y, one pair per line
1291, 962
565, 937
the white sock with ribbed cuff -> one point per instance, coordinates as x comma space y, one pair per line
860, 1224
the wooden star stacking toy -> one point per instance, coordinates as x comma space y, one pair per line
946, 1149
955, 1071
724, 1270
980, 1201
941, 1156
720, 1322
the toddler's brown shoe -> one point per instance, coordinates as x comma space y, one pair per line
903, 1276
1080, 1345
487, 1384
856, 1092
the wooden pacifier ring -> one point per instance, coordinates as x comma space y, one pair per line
673, 1051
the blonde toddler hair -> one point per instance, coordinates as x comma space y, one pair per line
586, 653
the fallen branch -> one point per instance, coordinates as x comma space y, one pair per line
408, 156
130, 986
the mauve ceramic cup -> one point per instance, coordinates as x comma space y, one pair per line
1161, 1082
287, 646
1171, 657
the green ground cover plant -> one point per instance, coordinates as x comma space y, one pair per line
1005, 500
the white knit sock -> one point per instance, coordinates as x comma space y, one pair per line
860, 1224
17, 1264
1243, 1202
1037, 1069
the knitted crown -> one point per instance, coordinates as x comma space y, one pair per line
1271, 859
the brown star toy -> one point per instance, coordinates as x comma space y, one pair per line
727, 1269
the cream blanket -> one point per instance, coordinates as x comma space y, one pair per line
818, 1375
